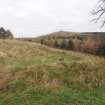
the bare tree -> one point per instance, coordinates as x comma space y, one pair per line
99, 12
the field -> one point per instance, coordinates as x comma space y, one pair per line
33, 74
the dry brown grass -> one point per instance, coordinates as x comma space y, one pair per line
31, 73
20, 60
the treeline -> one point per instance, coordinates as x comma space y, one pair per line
5, 34
87, 44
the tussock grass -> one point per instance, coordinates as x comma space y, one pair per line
31, 74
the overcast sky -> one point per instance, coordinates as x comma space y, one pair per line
27, 18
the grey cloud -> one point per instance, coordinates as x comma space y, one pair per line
28, 18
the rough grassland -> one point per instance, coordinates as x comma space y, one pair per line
31, 74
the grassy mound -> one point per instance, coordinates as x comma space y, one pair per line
31, 74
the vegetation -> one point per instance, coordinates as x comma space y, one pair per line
70, 45
33, 74
56, 44
5, 34
101, 50
89, 42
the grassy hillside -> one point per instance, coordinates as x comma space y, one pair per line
31, 74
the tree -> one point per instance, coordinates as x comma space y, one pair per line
2, 32
42, 41
9, 34
64, 44
56, 44
99, 12
101, 50
5, 33
70, 43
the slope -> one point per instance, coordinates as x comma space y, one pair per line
31, 74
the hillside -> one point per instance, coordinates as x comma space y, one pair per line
60, 34
33, 74
87, 42
65, 35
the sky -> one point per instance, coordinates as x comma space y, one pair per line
31, 18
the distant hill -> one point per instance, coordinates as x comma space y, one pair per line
60, 34
64, 34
